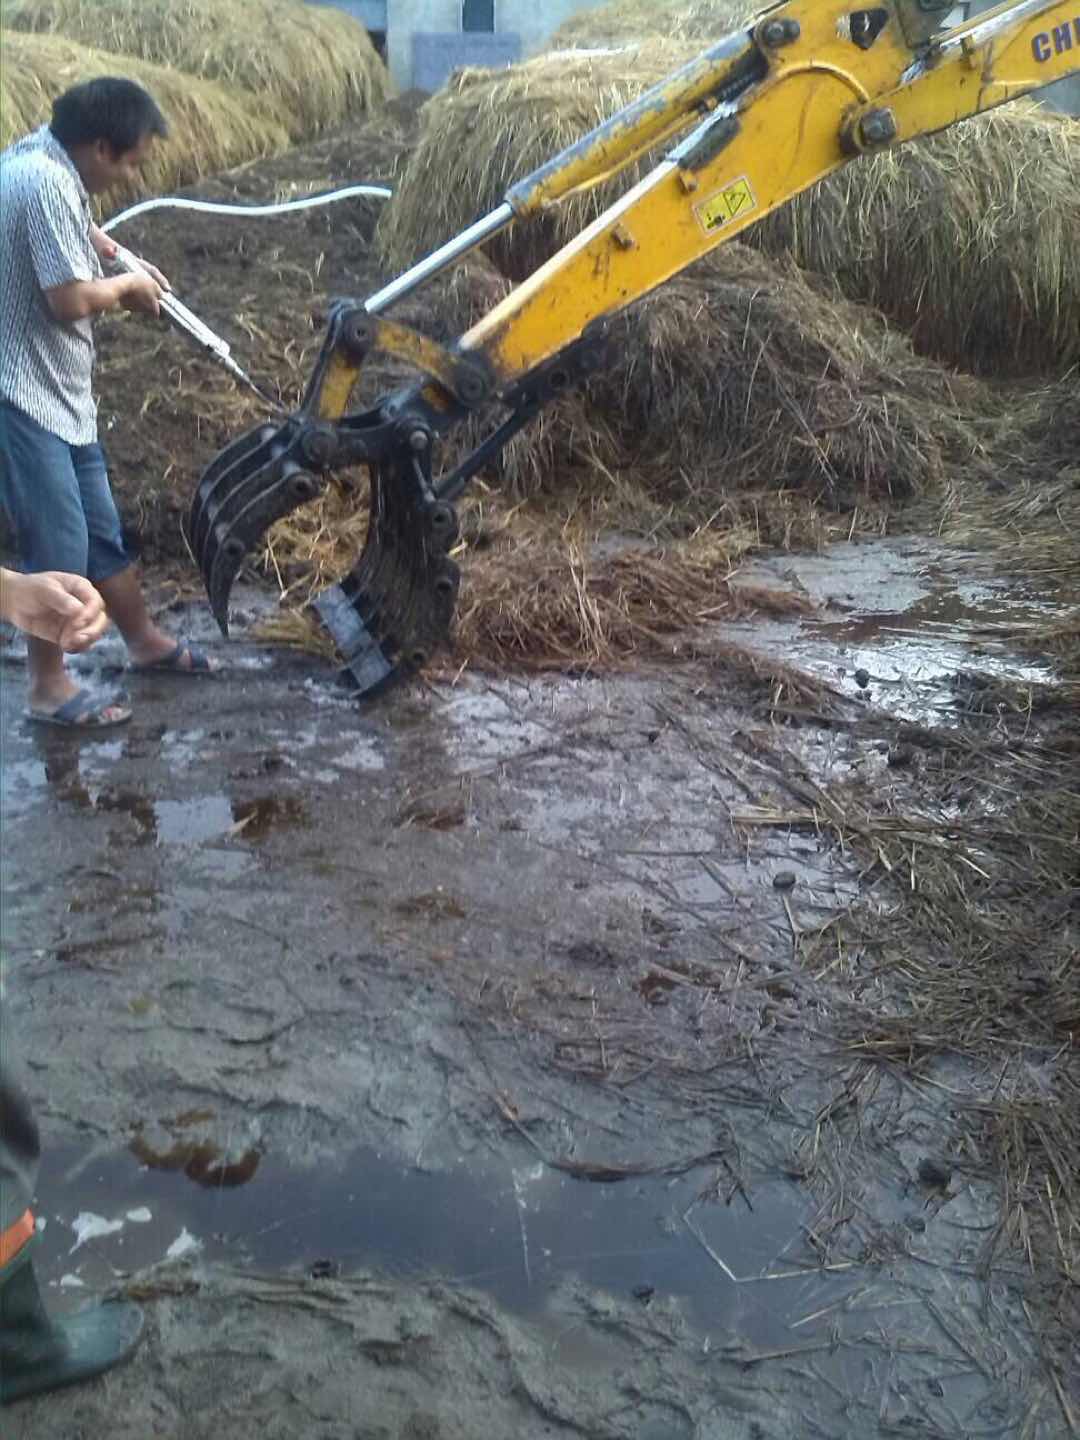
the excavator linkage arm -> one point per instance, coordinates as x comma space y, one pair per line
761, 115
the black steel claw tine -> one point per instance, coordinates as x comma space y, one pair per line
394, 608
243, 492
232, 497
229, 468
250, 515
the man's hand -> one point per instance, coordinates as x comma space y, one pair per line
154, 273
106, 248
142, 293
104, 244
65, 609
78, 299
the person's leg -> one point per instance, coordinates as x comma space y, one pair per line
126, 605
41, 492
110, 567
20, 1150
36, 1352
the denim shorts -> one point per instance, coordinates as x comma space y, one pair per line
58, 498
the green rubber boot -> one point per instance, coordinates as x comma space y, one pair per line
39, 1354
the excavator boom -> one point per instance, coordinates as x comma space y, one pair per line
805, 88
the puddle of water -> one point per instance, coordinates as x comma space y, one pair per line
215, 866
481, 725
364, 755
907, 613
262, 661
62, 766
518, 1234
20, 783
255, 819
191, 822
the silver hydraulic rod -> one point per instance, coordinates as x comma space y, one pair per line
439, 259
188, 323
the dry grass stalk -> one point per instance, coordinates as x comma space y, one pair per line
210, 128
298, 629
548, 601
489, 128
966, 239
949, 964
307, 66
540, 590
1030, 509
1057, 639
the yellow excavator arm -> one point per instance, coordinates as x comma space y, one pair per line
812, 87
807, 87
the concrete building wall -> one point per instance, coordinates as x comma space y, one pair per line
536, 22
425, 41
436, 55
420, 30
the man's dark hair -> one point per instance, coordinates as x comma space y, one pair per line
111, 109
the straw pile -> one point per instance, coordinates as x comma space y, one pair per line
308, 66
627, 20
733, 386
964, 978
542, 592
967, 239
739, 374
488, 128
210, 128
741, 406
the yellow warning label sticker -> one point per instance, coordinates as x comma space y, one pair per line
730, 203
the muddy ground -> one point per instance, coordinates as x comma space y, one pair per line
688, 1052
501, 1057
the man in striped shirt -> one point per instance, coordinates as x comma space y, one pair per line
54, 479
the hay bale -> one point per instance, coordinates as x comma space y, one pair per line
627, 20
741, 374
967, 239
488, 128
210, 129
310, 66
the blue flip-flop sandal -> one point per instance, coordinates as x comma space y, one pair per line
84, 711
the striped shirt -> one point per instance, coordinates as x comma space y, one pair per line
45, 367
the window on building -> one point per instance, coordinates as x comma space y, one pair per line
478, 15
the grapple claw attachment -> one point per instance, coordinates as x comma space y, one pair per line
252, 483
394, 608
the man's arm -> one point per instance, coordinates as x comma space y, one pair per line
57, 235
78, 299
65, 609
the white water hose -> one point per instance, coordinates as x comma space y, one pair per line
180, 316
213, 207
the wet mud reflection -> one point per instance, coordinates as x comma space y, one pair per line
518, 1233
